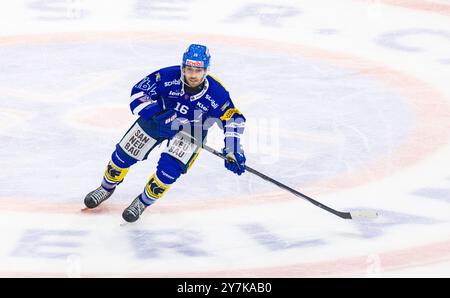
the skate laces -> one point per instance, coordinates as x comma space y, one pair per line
137, 206
100, 194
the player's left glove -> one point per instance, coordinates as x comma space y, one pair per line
235, 161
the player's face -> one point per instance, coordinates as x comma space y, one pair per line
194, 75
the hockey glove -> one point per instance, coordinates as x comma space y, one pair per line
149, 111
163, 121
235, 161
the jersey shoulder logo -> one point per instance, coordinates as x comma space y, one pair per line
146, 84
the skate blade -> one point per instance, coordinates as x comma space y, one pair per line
125, 223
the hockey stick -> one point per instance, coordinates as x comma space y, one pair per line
360, 214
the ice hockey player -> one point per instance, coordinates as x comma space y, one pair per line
178, 104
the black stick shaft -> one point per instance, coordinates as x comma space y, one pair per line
345, 215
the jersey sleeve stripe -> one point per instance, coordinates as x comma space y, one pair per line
136, 96
140, 107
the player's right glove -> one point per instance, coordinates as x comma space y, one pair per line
163, 121
235, 161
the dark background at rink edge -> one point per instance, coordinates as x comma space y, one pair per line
167, 287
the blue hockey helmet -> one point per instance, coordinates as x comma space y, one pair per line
197, 56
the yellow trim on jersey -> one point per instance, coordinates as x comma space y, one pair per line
218, 81
229, 113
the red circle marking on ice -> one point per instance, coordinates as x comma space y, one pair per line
432, 110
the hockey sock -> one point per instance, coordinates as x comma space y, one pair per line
113, 176
154, 190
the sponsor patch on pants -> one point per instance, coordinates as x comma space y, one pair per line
136, 143
181, 148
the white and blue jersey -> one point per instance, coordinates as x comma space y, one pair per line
164, 89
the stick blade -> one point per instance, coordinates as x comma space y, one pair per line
364, 214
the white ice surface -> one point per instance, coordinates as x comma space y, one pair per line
348, 103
